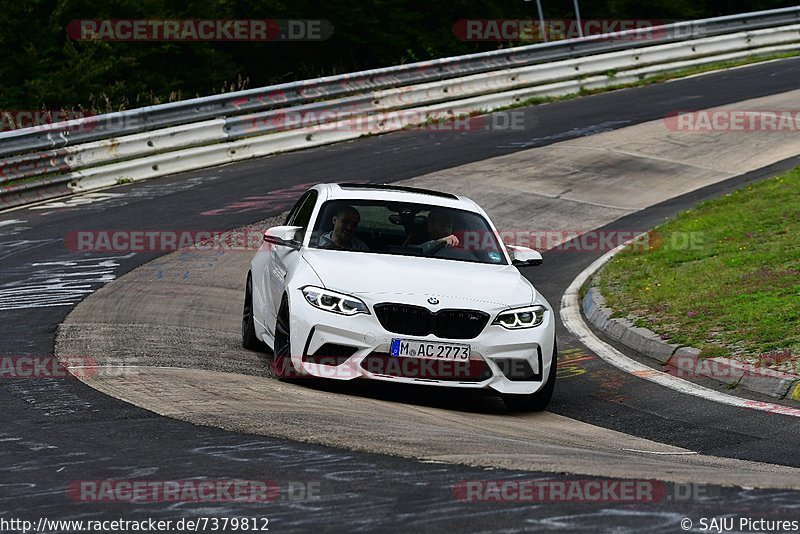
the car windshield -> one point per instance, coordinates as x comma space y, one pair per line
406, 229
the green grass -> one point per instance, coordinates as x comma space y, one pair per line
734, 291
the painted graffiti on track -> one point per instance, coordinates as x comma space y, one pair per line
63, 282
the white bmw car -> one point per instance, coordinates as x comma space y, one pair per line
400, 284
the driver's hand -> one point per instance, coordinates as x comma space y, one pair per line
450, 241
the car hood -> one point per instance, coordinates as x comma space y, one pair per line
365, 273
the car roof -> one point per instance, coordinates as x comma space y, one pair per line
355, 191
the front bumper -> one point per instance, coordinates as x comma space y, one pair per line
508, 361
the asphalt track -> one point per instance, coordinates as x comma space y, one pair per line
58, 423
165, 336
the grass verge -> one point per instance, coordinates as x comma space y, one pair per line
723, 277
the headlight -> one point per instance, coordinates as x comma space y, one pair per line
528, 317
331, 301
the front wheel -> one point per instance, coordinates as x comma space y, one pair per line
249, 339
282, 355
535, 402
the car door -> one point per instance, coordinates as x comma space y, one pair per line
284, 259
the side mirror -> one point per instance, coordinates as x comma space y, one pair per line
524, 256
284, 236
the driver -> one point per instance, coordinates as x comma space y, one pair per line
343, 235
440, 230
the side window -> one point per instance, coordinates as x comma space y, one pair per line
290, 216
301, 213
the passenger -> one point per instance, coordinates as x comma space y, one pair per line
343, 235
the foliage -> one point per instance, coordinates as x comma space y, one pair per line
42, 68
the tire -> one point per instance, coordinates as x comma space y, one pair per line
249, 339
535, 402
281, 356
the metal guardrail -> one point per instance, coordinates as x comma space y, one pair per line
65, 147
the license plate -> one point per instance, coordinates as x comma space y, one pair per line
427, 349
